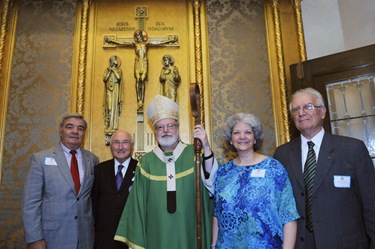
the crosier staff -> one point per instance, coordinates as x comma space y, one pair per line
195, 111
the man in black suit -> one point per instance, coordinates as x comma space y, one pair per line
109, 199
342, 193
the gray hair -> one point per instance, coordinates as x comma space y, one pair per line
73, 115
311, 91
246, 118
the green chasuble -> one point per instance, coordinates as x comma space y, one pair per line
146, 222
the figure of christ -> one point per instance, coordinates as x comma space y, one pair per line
140, 45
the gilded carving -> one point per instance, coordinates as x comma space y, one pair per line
198, 53
113, 96
300, 33
281, 68
170, 78
140, 43
82, 57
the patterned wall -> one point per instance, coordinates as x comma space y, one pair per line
39, 91
239, 67
38, 96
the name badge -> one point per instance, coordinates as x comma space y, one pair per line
50, 161
258, 173
341, 181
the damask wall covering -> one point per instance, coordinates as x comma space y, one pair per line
240, 80
39, 91
38, 96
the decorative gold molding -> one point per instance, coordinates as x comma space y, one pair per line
80, 90
301, 37
277, 67
198, 53
7, 29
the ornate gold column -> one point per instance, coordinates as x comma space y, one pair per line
7, 30
198, 53
300, 33
78, 103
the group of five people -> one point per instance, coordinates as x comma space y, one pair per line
252, 201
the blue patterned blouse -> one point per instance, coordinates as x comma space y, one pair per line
252, 203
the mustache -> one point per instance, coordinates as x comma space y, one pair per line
165, 134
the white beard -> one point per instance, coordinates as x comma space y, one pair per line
167, 141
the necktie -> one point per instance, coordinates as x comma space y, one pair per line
119, 176
308, 177
74, 171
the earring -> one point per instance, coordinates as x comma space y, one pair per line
255, 141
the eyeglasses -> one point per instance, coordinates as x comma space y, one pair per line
168, 126
305, 108
124, 143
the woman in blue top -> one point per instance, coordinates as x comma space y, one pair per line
254, 202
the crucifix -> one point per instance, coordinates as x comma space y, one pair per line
140, 42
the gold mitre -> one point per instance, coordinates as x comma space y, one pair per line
162, 107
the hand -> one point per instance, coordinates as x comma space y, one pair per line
40, 244
201, 134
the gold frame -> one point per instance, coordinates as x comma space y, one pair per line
82, 91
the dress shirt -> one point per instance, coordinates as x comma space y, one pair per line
124, 169
68, 157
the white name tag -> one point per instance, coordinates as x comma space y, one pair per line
50, 161
258, 173
341, 181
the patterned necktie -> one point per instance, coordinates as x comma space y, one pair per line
308, 177
74, 171
119, 176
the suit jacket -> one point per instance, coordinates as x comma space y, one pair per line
51, 209
343, 197
108, 202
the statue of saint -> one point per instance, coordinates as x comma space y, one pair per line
113, 95
140, 44
169, 78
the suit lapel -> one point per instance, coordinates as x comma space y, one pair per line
109, 174
88, 170
325, 160
296, 160
128, 179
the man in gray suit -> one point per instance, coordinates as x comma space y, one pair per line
56, 205
337, 202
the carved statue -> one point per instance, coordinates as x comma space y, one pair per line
140, 44
169, 77
113, 95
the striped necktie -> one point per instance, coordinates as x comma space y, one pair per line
308, 178
119, 176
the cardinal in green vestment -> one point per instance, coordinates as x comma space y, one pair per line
160, 212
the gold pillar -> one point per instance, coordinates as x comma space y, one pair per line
7, 30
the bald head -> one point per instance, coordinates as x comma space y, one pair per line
121, 145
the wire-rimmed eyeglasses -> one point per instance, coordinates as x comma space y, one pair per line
305, 108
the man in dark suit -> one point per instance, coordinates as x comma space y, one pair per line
340, 195
56, 205
109, 199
